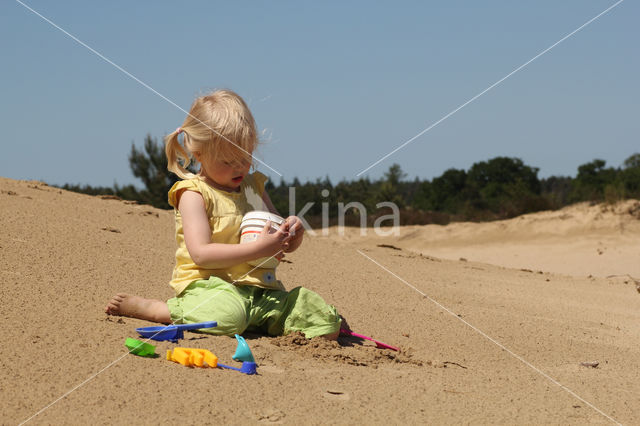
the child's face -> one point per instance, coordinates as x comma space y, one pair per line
228, 175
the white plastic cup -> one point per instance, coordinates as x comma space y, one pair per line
252, 225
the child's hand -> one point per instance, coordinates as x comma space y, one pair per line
296, 231
271, 243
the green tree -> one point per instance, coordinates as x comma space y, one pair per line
591, 181
630, 176
556, 190
505, 186
361, 190
391, 186
447, 192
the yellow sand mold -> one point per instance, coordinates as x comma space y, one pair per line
193, 357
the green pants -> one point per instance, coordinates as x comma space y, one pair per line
240, 308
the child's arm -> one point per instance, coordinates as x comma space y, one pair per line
197, 237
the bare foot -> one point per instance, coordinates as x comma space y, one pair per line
138, 307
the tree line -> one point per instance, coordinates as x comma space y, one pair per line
499, 188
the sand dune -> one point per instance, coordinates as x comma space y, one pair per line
481, 343
598, 240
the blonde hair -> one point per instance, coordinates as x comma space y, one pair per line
219, 127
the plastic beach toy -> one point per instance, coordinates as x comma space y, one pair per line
251, 227
243, 353
378, 343
139, 348
172, 332
193, 357
203, 358
247, 367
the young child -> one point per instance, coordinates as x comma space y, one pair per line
212, 279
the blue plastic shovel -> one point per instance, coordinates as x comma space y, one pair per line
172, 332
247, 367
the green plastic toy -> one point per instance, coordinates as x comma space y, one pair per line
139, 348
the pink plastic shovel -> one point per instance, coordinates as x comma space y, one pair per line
378, 343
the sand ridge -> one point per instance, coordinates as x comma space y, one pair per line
599, 240
64, 255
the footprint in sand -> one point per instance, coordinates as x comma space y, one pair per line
336, 394
271, 416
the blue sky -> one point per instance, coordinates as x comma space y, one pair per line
334, 86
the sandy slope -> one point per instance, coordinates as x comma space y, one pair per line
481, 343
581, 240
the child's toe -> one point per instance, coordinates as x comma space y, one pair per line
112, 307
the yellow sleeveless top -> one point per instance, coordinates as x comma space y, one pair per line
225, 211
